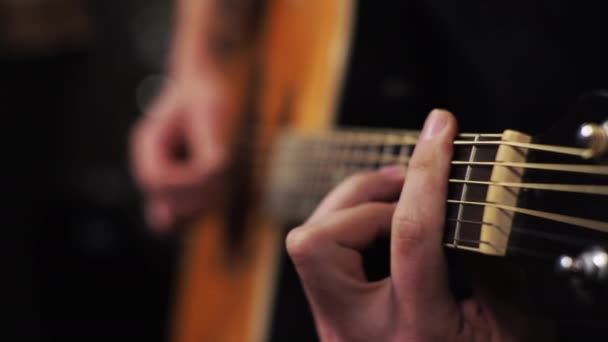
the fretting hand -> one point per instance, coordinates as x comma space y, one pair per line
415, 302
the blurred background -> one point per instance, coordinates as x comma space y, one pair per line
75, 75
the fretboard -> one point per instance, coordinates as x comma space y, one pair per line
487, 176
308, 166
486, 179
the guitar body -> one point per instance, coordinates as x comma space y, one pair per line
289, 77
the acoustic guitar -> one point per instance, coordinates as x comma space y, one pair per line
536, 199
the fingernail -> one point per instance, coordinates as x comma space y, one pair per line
397, 171
434, 123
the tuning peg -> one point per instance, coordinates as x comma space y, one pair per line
594, 137
592, 265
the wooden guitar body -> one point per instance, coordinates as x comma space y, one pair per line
290, 76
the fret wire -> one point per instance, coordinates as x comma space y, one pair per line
404, 154
463, 194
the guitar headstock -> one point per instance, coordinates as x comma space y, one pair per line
574, 237
575, 185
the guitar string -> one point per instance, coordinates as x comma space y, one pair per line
572, 220
380, 157
590, 189
577, 168
405, 138
576, 188
601, 170
302, 212
584, 153
578, 221
563, 238
602, 190
544, 236
597, 225
363, 138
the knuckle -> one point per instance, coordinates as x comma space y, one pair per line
407, 229
358, 180
422, 164
300, 244
378, 207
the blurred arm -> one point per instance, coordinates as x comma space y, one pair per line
179, 148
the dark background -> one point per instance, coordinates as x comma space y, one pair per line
81, 264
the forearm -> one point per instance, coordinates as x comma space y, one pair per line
192, 36
205, 29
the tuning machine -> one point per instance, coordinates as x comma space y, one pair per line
595, 138
591, 265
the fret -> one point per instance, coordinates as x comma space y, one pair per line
316, 167
463, 195
374, 153
404, 152
386, 153
464, 222
358, 155
344, 155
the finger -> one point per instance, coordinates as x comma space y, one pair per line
208, 131
382, 185
418, 267
146, 156
152, 141
158, 168
157, 212
169, 209
327, 254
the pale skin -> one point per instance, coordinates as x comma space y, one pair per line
414, 303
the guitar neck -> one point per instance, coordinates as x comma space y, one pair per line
487, 176
307, 166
